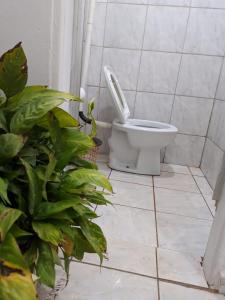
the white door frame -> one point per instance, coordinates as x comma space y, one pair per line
214, 260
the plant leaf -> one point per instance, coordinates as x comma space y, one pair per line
95, 236
24, 97
10, 254
48, 209
81, 244
3, 190
11, 144
34, 187
15, 280
8, 216
80, 177
3, 124
13, 71
48, 232
29, 114
63, 117
71, 142
45, 265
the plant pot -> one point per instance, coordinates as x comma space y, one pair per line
46, 293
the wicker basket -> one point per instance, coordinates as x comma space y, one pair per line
93, 153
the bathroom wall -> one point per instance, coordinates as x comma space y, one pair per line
45, 29
215, 143
168, 56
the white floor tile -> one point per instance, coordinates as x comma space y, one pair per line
102, 166
196, 171
128, 225
175, 181
175, 169
92, 283
133, 178
180, 266
131, 194
181, 203
138, 259
203, 185
170, 291
211, 203
183, 233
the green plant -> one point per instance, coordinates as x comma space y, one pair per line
45, 206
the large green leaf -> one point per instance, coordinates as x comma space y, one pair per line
8, 216
3, 123
15, 278
69, 143
48, 232
35, 195
29, 114
45, 265
24, 97
81, 244
63, 117
11, 144
37, 92
80, 177
3, 190
13, 71
10, 254
47, 209
95, 236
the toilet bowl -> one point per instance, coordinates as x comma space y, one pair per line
135, 145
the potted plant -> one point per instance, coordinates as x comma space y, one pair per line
46, 207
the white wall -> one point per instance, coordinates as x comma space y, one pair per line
45, 28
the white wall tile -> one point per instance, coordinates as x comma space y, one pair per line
191, 115
165, 28
125, 26
106, 108
158, 72
211, 162
208, 3
155, 107
125, 63
98, 25
205, 30
131, 1
217, 124
199, 75
221, 87
186, 150
171, 2
95, 66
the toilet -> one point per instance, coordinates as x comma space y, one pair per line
135, 144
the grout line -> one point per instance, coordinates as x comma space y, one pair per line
203, 196
139, 67
161, 211
158, 93
157, 272
156, 224
121, 180
166, 5
159, 51
214, 291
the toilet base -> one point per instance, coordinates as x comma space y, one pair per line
147, 162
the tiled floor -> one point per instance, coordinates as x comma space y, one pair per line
157, 232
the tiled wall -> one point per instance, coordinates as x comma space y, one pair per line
168, 56
215, 144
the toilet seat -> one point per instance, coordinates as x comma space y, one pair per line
145, 125
119, 99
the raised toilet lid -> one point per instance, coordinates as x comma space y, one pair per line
119, 100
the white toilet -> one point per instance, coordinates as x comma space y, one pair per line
135, 144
